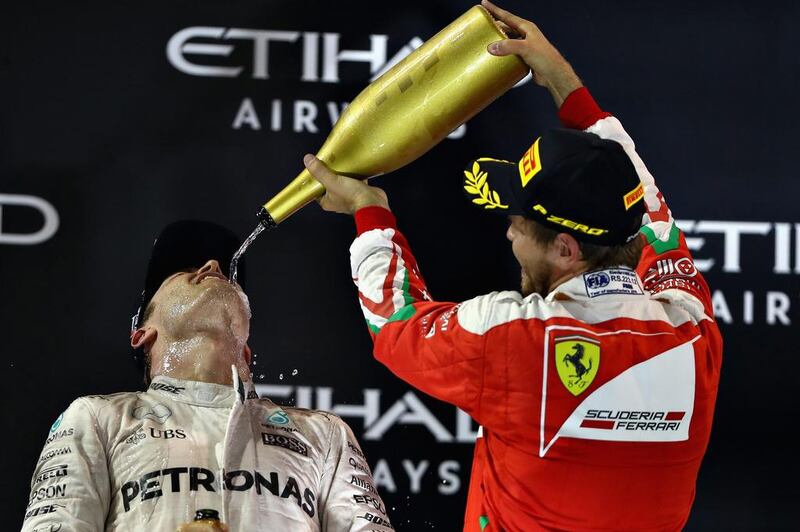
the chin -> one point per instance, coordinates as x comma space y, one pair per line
217, 311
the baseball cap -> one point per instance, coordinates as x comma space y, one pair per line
570, 181
181, 245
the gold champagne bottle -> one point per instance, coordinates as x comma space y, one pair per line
410, 108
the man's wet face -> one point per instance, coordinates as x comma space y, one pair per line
200, 301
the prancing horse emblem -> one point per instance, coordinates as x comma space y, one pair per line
577, 359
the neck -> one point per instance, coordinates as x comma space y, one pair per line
559, 278
199, 358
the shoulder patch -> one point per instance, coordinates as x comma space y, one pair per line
612, 281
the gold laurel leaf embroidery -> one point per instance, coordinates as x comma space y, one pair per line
477, 186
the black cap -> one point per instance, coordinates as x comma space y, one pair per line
181, 245
570, 181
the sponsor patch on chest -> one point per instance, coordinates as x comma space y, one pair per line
287, 442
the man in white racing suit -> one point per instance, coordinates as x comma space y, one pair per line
199, 437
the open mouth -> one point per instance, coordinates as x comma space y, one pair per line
210, 275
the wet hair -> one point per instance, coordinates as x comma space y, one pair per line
596, 256
148, 311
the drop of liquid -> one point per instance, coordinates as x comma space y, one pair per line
294, 372
280, 376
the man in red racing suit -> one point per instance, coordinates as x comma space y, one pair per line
596, 394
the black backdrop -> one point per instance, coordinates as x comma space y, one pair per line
104, 138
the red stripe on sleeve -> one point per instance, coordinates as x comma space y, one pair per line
370, 218
579, 110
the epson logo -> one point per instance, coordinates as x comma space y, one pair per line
369, 501
47, 492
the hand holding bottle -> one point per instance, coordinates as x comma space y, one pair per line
548, 66
343, 194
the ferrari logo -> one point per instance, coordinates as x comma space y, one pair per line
577, 361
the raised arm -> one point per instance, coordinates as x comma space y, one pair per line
548, 67
666, 262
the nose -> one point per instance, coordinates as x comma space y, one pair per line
510, 233
210, 266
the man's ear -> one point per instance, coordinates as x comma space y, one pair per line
247, 353
567, 251
144, 337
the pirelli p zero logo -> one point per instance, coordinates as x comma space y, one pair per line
632, 197
577, 226
530, 164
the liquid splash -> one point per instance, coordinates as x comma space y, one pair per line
234, 268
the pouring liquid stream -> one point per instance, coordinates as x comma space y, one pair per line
234, 269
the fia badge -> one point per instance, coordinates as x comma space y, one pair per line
577, 360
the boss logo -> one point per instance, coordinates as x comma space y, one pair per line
279, 440
167, 387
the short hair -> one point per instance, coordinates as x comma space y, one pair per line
596, 256
148, 311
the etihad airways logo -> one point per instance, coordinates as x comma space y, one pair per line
216, 51
199, 50
737, 238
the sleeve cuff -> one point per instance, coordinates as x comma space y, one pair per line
370, 218
579, 110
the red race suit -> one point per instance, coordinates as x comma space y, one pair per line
595, 401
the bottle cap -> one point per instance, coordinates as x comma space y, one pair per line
206, 514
